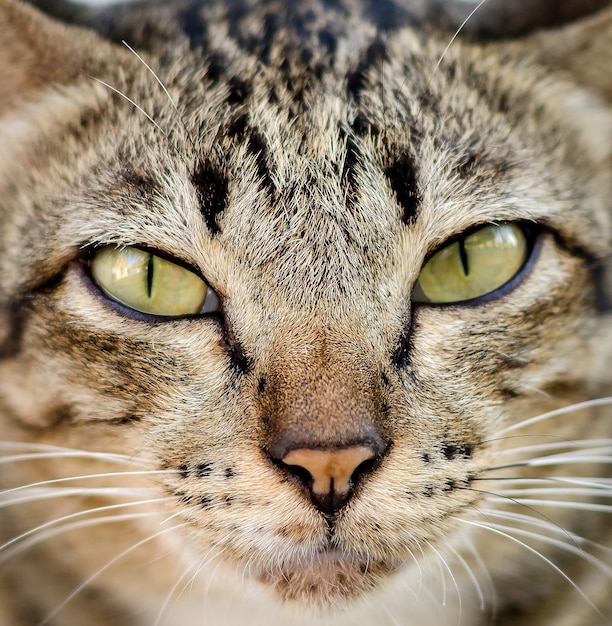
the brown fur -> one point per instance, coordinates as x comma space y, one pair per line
286, 181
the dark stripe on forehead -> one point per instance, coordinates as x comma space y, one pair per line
241, 130
211, 185
374, 56
402, 177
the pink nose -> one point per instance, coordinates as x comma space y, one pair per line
331, 472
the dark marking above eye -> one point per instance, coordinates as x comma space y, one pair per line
363, 126
239, 91
402, 178
257, 147
374, 55
229, 472
138, 179
211, 186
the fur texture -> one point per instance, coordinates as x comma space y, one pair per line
306, 159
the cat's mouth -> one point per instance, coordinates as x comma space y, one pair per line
330, 577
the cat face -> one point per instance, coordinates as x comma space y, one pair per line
345, 384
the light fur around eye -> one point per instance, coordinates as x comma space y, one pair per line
150, 284
473, 266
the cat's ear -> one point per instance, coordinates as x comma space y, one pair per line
38, 54
583, 51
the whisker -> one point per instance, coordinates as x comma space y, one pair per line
566, 491
87, 477
532, 550
577, 443
103, 569
161, 84
559, 504
35, 456
109, 507
471, 576
55, 492
487, 575
136, 106
587, 481
54, 532
454, 37
598, 563
110, 456
557, 412
172, 591
544, 525
450, 572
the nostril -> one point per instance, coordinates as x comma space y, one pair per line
329, 475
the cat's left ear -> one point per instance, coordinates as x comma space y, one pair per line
38, 54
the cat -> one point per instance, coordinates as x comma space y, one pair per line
304, 316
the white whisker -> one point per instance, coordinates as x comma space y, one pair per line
139, 108
64, 528
559, 504
556, 568
35, 456
109, 507
56, 492
456, 34
598, 563
104, 568
556, 413
450, 572
543, 447
471, 576
172, 591
55, 481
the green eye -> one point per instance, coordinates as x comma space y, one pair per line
473, 266
147, 283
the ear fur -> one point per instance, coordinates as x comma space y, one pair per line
582, 50
37, 53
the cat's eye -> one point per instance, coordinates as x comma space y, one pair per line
473, 266
150, 284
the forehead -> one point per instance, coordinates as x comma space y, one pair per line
312, 141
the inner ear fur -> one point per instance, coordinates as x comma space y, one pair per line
37, 53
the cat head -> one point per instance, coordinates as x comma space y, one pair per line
332, 358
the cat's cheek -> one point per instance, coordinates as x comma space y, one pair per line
90, 363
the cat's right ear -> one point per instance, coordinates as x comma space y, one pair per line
37, 54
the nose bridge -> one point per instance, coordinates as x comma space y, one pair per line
320, 396
323, 416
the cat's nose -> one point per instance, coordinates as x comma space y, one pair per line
330, 476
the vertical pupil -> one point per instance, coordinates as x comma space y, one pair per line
464, 257
150, 270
